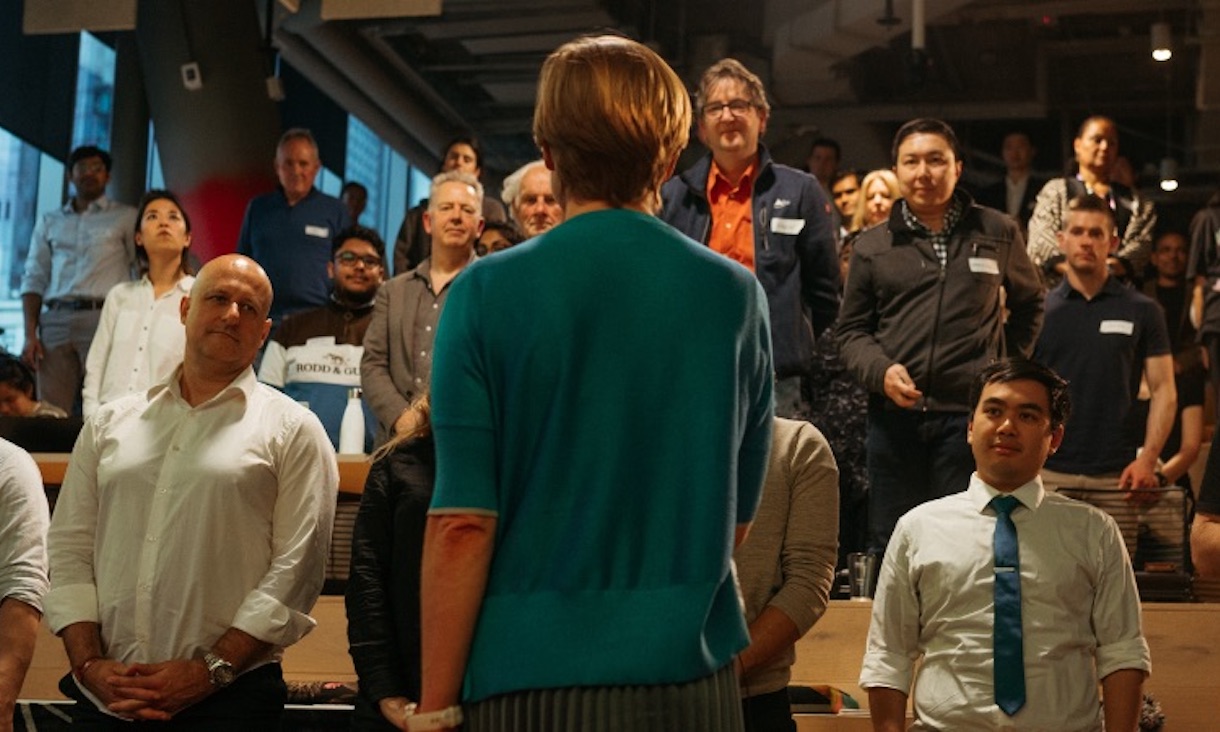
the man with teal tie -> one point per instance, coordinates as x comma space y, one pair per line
1021, 603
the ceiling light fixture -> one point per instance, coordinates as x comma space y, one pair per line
1162, 41
1169, 175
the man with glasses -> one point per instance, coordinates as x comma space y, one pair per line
77, 253
314, 356
773, 219
397, 363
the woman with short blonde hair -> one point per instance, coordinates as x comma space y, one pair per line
601, 402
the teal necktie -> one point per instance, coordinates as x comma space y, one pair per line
1009, 656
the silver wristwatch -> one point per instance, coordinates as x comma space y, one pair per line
220, 672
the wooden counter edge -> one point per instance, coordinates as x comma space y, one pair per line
353, 470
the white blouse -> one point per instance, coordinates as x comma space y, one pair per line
139, 341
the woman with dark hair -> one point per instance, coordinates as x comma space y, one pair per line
1096, 150
383, 586
140, 337
17, 391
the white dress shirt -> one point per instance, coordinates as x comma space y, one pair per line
1015, 194
81, 255
1079, 607
23, 527
176, 522
139, 341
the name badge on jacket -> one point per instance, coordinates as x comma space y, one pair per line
1119, 327
984, 265
787, 226
321, 231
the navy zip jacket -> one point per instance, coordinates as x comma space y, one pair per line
794, 250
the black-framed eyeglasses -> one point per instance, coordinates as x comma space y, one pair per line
736, 107
349, 259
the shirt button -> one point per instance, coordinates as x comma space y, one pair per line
152, 540
423, 353
435, 306
428, 328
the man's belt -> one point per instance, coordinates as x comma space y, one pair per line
76, 303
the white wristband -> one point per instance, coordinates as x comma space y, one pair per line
429, 721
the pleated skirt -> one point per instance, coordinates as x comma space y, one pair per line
710, 704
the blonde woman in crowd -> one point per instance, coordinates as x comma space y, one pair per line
879, 191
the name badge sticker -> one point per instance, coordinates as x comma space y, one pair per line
1118, 327
984, 265
320, 231
787, 226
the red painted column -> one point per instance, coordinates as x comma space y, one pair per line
217, 143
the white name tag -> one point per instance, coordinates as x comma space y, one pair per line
1121, 327
787, 226
984, 265
321, 231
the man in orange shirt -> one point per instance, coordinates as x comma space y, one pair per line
773, 219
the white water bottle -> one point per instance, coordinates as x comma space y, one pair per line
351, 428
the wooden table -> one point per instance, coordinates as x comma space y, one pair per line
353, 469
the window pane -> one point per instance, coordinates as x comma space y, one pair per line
94, 93
154, 177
364, 166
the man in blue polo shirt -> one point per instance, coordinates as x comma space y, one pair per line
1102, 335
289, 230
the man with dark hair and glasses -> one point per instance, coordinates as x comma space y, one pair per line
775, 220
314, 356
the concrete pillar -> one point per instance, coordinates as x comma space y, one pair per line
1207, 92
217, 143
129, 129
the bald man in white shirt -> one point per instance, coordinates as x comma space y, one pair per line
190, 537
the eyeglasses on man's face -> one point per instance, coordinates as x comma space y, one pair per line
736, 107
349, 259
